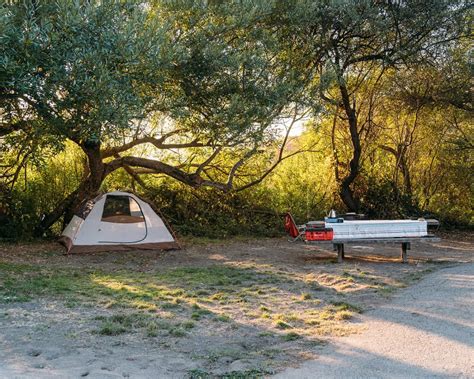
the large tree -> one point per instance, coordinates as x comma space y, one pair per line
204, 80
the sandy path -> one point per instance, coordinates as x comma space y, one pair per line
427, 331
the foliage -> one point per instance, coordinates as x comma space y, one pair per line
210, 213
37, 190
110, 76
78, 69
192, 105
385, 201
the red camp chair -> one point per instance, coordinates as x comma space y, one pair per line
296, 232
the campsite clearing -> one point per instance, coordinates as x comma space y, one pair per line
215, 308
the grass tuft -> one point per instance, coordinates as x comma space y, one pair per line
177, 332
110, 328
305, 296
223, 318
188, 325
292, 336
345, 306
282, 324
343, 315
198, 374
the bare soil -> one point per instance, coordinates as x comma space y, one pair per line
238, 308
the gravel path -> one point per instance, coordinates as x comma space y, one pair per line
427, 331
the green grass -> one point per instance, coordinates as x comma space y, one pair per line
109, 328
152, 330
177, 300
20, 283
255, 373
223, 318
345, 306
177, 332
305, 296
131, 322
175, 292
280, 324
124, 323
386, 290
198, 312
292, 336
343, 315
198, 374
247, 374
188, 324
171, 287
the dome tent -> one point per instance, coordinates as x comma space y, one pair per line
117, 221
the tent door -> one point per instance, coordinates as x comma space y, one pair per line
122, 221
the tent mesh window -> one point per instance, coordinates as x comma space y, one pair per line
85, 209
121, 210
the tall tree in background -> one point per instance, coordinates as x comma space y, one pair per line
439, 98
362, 39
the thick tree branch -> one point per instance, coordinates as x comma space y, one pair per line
157, 166
381, 56
6, 129
156, 142
204, 164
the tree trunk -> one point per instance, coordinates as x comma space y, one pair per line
88, 189
406, 175
402, 164
49, 219
347, 195
345, 192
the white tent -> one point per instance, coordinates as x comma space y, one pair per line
116, 221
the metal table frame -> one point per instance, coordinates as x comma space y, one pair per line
405, 244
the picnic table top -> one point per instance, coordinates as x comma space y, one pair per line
428, 238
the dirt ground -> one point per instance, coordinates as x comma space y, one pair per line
238, 308
418, 334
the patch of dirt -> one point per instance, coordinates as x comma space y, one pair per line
314, 297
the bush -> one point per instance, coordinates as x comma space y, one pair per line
383, 200
17, 215
208, 212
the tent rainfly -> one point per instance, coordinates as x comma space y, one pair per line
116, 221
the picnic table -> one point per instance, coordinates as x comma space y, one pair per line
298, 233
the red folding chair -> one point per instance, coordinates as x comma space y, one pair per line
296, 232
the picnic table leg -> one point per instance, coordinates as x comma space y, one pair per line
405, 246
340, 252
